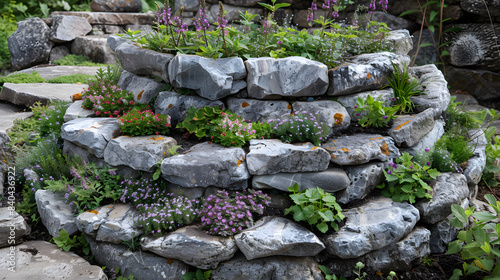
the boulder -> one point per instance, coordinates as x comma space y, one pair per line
277, 236
360, 148
475, 165
75, 111
113, 18
363, 179
331, 112
443, 232
482, 84
331, 180
255, 110
114, 41
271, 156
129, 6
58, 52
176, 105
192, 246
30, 44
363, 72
71, 150
110, 223
93, 134
189, 5
39, 260
290, 77
401, 39
12, 227
407, 130
376, 224
214, 79
55, 212
435, 90
232, 12
383, 95
28, 94
95, 47
143, 88
207, 164
141, 152
447, 189
67, 28
429, 140
479, 7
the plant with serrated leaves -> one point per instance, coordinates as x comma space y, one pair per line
371, 112
405, 180
316, 207
478, 242
66, 243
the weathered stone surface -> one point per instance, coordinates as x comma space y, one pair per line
193, 246
29, 94
95, 47
67, 28
401, 39
277, 236
143, 61
428, 141
232, 12
189, 5
483, 85
9, 113
114, 41
76, 111
143, 265
245, 3
372, 226
331, 112
58, 52
290, 77
140, 153
258, 110
190, 193
407, 130
113, 18
143, 88
93, 134
278, 268
271, 156
330, 180
363, 72
443, 233
349, 101
207, 164
12, 227
72, 150
363, 179
41, 260
212, 79
448, 189
361, 148
110, 223
479, 7
29, 45
176, 105
475, 165
435, 93
128, 6
55, 213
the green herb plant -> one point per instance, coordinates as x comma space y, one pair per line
197, 275
405, 180
66, 243
316, 207
404, 86
371, 112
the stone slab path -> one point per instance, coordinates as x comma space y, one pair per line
29, 94
9, 113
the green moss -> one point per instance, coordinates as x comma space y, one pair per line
77, 60
22, 78
71, 79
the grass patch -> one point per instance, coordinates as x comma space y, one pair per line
22, 78
71, 79
77, 60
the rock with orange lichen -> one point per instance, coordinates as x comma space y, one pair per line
143, 88
255, 110
331, 112
407, 130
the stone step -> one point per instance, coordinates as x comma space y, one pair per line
61, 70
113, 18
29, 94
9, 113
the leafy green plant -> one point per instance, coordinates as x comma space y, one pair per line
7, 27
138, 122
52, 120
77, 60
405, 180
455, 116
404, 86
373, 113
492, 157
457, 145
66, 243
121, 277
328, 274
197, 275
316, 207
302, 127
478, 243
439, 158
357, 271
71, 79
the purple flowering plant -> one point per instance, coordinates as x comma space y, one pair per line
300, 127
371, 112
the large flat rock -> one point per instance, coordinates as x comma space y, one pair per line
107, 18
61, 70
9, 113
29, 94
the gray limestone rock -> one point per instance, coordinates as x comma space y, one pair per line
95, 47
55, 213
429, 139
93, 134
277, 268
232, 12
407, 130
361, 148
331, 112
443, 233
448, 189
143, 88
207, 164
401, 39
193, 246
271, 156
12, 227
277, 236
211, 78
291, 77
28, 94
475, 165
72, 150
29, 45
114, 41
76, 111
140, 153
110, 223
363, 179
435, 91
349, 101
122, 6
58, 52
176, 105
330, 180
41, 260
189, 5
376, 224
363, 72
258, 110
67, 28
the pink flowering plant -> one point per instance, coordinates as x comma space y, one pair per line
143, 121
371, 112
227, 214
300, 127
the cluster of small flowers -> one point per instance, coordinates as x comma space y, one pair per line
201, 23
106, 99
165, 18
228, 214
141, 191
144, 122
300, 127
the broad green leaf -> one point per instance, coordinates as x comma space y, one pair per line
459, 213
484, 216
323, 227
308, 211
454, 247
423, 45
327, 215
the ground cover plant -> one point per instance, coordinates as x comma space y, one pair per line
77, 60
302, 127
371, 112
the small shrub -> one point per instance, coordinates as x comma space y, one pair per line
455, 116
300, 127
228, 214
404, 86
405, 180
71, 79
77, 60
457, 145
67, 243
316, 207
371, 112
139, 122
